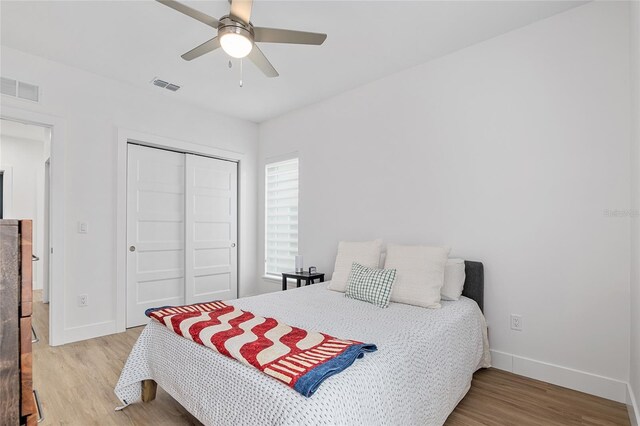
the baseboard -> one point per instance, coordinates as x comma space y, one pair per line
632, 407
502, 361
582, 381
89, 331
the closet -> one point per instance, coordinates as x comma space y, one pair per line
182, 229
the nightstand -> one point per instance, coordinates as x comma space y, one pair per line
301, 276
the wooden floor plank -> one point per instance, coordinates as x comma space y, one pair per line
75, 383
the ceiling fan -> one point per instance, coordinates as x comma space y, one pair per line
237, 35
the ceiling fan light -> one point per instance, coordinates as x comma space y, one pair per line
236, 45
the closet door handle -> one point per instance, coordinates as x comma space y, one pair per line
38, 406
132, 248
233, 244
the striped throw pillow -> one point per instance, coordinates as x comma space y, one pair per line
370, 284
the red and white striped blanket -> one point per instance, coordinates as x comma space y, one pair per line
298, 358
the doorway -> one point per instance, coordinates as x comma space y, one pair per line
25, 149
182, 229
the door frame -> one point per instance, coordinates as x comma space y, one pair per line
126, 136
56, 216
46, 253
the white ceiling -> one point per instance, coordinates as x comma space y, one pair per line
134, 41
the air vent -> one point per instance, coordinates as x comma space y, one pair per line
27, 91
20, 89
9, 87
160, 83
165, 85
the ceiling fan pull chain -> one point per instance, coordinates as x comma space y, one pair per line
240, 72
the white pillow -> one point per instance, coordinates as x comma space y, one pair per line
383, 257
365, 253
420, 274
453, 279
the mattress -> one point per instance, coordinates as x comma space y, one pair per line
422, 369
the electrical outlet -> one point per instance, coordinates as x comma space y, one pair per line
516, 322
83, 228
83, 300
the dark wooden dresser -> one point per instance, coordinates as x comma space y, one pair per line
17, 404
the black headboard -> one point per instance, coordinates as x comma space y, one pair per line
474, 282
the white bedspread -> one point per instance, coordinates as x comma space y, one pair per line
422, 369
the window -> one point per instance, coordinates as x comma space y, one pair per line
281, 216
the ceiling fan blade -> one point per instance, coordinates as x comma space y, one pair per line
261, 61
195, 14
241, 9
276, 35
205, 47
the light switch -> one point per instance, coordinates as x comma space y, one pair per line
83, 228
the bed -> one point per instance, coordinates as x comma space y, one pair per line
421, 371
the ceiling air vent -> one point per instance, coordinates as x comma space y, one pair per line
165, 85
20, 89
160, 83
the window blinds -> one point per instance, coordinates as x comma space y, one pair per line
281, 211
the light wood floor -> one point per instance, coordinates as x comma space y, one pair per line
75, 383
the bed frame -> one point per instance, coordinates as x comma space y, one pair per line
474, 282
473, 289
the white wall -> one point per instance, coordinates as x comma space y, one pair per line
94, 108
509, 151
25, 157
634, 19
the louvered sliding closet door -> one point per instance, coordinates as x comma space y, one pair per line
211, 237
155, 231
